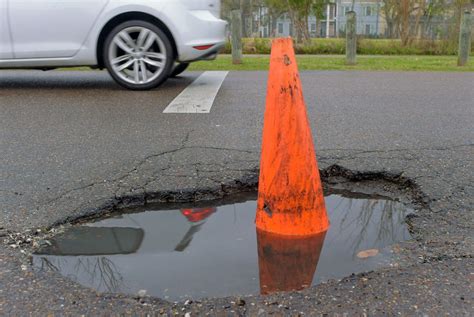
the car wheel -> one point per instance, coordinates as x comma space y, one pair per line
178, 69
138, 55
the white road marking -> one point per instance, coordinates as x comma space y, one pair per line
199, 96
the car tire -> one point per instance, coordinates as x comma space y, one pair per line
138, 55
179, 69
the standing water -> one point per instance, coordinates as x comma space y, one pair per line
217, 251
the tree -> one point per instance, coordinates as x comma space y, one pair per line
299, 12
276, 9
390, 11
318, 9
404, 16
434, 8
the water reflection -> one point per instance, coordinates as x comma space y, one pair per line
204, 252
197, 217
96, 241
91, 245
100, 271
287, 263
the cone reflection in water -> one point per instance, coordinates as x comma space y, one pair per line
287, 263
290, 196
198, 214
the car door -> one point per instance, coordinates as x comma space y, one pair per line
51, 28
5, 41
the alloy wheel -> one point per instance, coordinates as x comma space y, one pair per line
137, 55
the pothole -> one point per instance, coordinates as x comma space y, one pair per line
181, 252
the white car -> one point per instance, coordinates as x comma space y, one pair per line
140, 42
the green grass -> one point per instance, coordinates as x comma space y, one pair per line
364, 47
337, 62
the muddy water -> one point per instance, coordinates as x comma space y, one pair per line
217, 251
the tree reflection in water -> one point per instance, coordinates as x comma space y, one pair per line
102, 272
384, 216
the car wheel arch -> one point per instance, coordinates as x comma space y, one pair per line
112, 23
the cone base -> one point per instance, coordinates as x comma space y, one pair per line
291, 225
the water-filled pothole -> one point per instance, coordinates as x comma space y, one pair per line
216, 251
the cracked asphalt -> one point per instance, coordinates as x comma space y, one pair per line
73, 144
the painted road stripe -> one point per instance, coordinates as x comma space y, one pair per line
199, 96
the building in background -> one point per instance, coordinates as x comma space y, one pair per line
370, 19
329, 22
284, 26
326, 28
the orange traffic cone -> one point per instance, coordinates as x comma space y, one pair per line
287, 263
290, 198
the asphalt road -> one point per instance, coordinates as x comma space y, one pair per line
73, 143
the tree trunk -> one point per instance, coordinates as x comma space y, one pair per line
404, 25
306, 34
318, 28
299, 17
390, 29
274, 24
419, 12
299, 31
302, 29
294, 24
